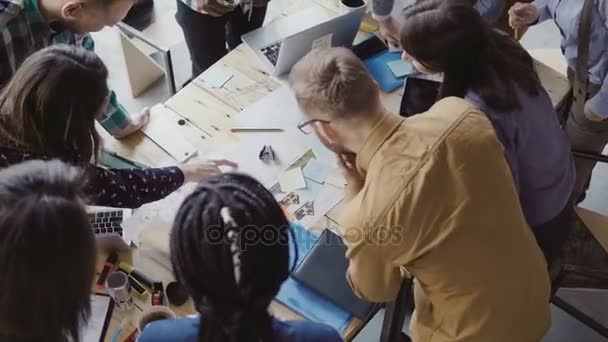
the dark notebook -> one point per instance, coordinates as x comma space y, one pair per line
324, 271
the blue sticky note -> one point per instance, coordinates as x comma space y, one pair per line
316, 171
378, 68
400, 68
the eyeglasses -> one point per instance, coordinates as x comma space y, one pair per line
305, 126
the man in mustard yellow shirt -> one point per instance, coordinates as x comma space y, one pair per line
433, 195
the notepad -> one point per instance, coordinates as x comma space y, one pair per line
292, 180
400, 68
164, 129
216, 77
101, 313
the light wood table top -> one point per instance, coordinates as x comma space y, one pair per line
209, 112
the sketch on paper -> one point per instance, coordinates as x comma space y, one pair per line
291, 198
308, 209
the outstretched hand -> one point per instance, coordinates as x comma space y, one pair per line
197, 171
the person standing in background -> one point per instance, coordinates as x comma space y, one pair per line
209, 24
382, 11
587, 123
27, 26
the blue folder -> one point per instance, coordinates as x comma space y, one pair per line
378, 68
303, 300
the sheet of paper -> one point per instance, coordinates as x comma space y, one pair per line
307, 206
335, 178
400, 68
216, 77
94, 327
292, 180
164, 130
323, 42
163, 210
316, 171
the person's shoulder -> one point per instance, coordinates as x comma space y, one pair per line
9, 9
305, 331
458, 116
181, 329
454, 107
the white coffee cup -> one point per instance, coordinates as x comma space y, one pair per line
154, 313
119, 289
345, 8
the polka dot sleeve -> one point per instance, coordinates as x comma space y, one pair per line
131, 188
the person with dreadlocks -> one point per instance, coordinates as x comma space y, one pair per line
230, 250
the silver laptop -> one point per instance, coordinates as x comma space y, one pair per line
282, 43
106, 224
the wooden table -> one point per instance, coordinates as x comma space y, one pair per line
207, 109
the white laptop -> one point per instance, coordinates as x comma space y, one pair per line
282, 43
106, 224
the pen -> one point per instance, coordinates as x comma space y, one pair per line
137, 275
518, 34
261, 130
132, 336
108, 267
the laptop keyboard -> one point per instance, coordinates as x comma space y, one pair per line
106, 222
272, 52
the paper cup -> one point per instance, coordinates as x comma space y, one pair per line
154, 313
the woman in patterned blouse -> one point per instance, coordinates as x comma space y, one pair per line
48, 110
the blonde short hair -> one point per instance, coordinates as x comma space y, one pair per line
334, 81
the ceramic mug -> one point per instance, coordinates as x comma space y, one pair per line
154, 313
119, 288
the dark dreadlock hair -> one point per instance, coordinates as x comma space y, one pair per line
229, 248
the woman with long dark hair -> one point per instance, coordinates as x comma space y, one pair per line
48, 111
491, 70
230, 250
47, 253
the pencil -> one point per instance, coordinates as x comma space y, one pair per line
259, 130
517, 34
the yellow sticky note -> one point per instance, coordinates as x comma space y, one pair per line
292, 180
